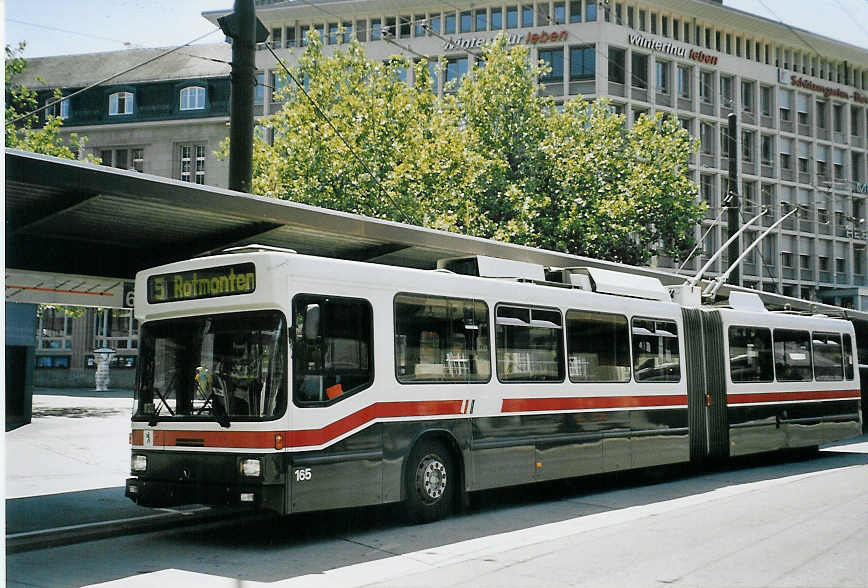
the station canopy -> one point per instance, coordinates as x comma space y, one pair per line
68, 219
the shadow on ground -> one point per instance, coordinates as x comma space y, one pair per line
273, 548
76, 412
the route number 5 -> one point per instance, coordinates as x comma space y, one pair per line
302, 474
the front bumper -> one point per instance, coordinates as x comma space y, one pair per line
175, 478
161, 493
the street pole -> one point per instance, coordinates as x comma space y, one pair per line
245, 31
733, 212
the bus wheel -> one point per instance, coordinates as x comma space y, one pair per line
431, 479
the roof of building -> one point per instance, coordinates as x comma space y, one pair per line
65, 71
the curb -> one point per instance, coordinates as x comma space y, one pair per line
44, 538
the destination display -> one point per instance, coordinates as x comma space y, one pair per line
211, 282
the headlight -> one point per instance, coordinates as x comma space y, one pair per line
139, 463
251, 468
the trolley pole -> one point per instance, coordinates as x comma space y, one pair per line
245, 30
732, 214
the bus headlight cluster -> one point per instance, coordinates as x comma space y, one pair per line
251, 468
139, 463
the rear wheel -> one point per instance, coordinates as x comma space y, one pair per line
431, 480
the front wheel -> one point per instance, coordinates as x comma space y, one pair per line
431, 481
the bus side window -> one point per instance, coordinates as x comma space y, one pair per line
655, 350
750, 354
598, 347
439, 339
849, 362
530, 344
331, 359
828, 357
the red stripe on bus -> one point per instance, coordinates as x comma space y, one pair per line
573, 403
791, 396
304, 437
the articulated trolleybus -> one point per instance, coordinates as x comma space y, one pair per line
295, 383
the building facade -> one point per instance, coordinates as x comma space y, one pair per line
801, 100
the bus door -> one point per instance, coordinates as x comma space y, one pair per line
332, 368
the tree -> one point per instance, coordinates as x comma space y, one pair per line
21, 131
493, 157
580, 182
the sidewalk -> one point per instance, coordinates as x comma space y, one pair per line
68, 466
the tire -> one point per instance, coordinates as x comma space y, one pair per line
431, 480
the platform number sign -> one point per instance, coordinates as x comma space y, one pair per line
129, 295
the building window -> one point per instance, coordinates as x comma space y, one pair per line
726, 91
804, 153
642, 14
640, 70
662, 68
747, 146
576, 11
583, 63
193, 98
560, 13
684, 77
277, 37
554, 59
617, 57
786, 152
55, 329
802, 103
121, 103
405, 27
466, 22
449, 23
747, 97
706, 190
822, 156
706, 86
512, 17
765, 100
591, 10
259, 89
455, 70
653, 22
126, 158
785, 98
706, 140
496, 19
57, 108
480, 17
527, 16
767, 148
115, 328
52, 362
542, 14
434, 23
838, 118
290, 36
192, 163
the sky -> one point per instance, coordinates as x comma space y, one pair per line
63, 27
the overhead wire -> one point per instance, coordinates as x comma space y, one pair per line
338, 134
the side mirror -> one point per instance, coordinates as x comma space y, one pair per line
311, 322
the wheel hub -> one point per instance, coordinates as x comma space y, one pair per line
431, 479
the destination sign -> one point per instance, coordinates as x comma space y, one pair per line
211, 282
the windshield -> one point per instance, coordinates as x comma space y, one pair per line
222, 367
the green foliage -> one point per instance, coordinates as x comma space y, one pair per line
25, 134
492, 158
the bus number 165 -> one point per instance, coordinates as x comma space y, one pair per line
302, 474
